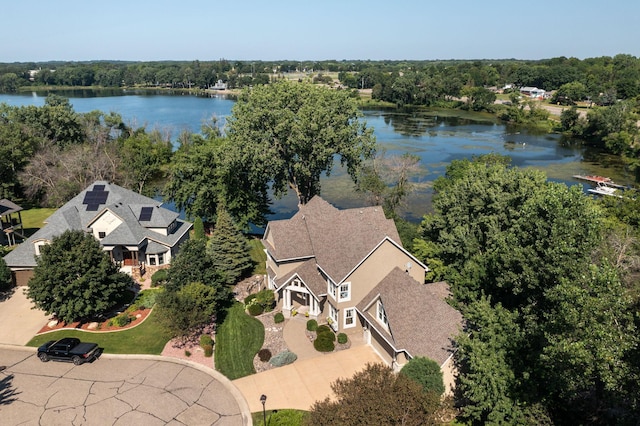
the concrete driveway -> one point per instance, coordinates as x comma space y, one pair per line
300, 384
19, 322
115, 390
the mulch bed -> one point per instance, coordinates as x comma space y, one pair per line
97, 326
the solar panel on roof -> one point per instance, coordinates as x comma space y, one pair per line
145, 214
95, 196
92, 207
101, 196
98, 187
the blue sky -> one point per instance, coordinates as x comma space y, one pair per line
143, 30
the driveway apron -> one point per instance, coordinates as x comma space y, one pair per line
300, 384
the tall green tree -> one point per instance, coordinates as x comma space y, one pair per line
207, 169
288, 134
229, 249
5, 274
144, 156
376, 396
75, 279
518, 251
193, 265
187, 310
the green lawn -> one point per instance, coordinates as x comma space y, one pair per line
33, 219
258, 256
146, 338
238, 340
279, 417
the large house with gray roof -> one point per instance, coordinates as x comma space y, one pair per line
348, 267
135, 230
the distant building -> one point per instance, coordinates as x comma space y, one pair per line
10, 222
220, 85
533, 92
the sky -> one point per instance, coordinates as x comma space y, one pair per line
144, 30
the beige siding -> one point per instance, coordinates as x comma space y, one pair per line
375, 268
449, 373
381, 347
285, 267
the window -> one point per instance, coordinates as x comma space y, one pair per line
349, 317
102, 234
333, 316
382, 316
332, 289
345, 292
161, 259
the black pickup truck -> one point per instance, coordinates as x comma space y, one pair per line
68, 349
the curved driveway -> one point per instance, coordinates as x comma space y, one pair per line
115, 390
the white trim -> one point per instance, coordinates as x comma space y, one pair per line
353, 317
348, 292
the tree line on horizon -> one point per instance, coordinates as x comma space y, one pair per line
605, 76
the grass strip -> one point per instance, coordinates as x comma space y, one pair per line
238, 340
147, 338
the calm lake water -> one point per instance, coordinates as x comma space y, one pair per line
436, 136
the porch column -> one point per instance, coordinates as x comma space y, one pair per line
287, 298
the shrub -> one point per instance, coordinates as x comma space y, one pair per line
147, 299
255, 309
187, 353
342, 338
327, 332
205, 340
283, 358
426, 372
208, 350
312, 325
266, 298
323, 329
264, 355
278, 318
324, 342
122, 320
249, 299
159, 277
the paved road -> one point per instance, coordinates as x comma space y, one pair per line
115, 390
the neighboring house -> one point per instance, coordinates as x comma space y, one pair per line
136, 230
533, 92
10, 222
349, 268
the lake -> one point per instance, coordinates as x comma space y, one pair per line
436, 136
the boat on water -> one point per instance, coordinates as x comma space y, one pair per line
599, 179
604, 188
593, 178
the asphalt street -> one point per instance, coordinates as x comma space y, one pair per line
115, 390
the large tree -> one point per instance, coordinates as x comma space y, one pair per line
289, 134
75, 279
376, 396
229, 249
544, 336
206, 170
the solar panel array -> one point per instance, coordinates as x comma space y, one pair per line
145, 214
93, 199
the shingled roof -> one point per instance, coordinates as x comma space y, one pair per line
81, 211
420, 320
337, 239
